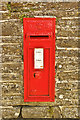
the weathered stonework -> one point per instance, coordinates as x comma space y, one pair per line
67, 89
40, 112
10, 112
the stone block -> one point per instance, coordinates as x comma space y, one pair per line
12, 112
12, 88
11, 58
70, 112
11, 76
12, 39
65, 33
68, 85
35, 112
66, 94
12, 68
12, 49
55, 112
67, 76
67, 53
67, 22
13, 28
67, 43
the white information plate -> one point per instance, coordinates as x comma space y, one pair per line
38, 58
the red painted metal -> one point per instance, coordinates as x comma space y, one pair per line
39, 84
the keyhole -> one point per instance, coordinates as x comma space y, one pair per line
34, 74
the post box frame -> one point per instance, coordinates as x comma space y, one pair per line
51, 97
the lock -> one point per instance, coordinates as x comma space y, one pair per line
34, 75
37, 75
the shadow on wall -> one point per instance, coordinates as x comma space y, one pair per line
79, 57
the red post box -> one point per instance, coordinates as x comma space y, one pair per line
39, 59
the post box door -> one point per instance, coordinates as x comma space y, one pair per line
39, 59
39, 77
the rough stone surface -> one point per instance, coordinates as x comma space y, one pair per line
67, 76
70, 112
11, 76
12, 39
11, 58
14, 49
55, 112
12, 112
40, 112
11, 29
67, 60
67, 53
15, 100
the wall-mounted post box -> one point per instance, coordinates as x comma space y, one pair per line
39, 59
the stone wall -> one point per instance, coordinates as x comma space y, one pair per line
67, 62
